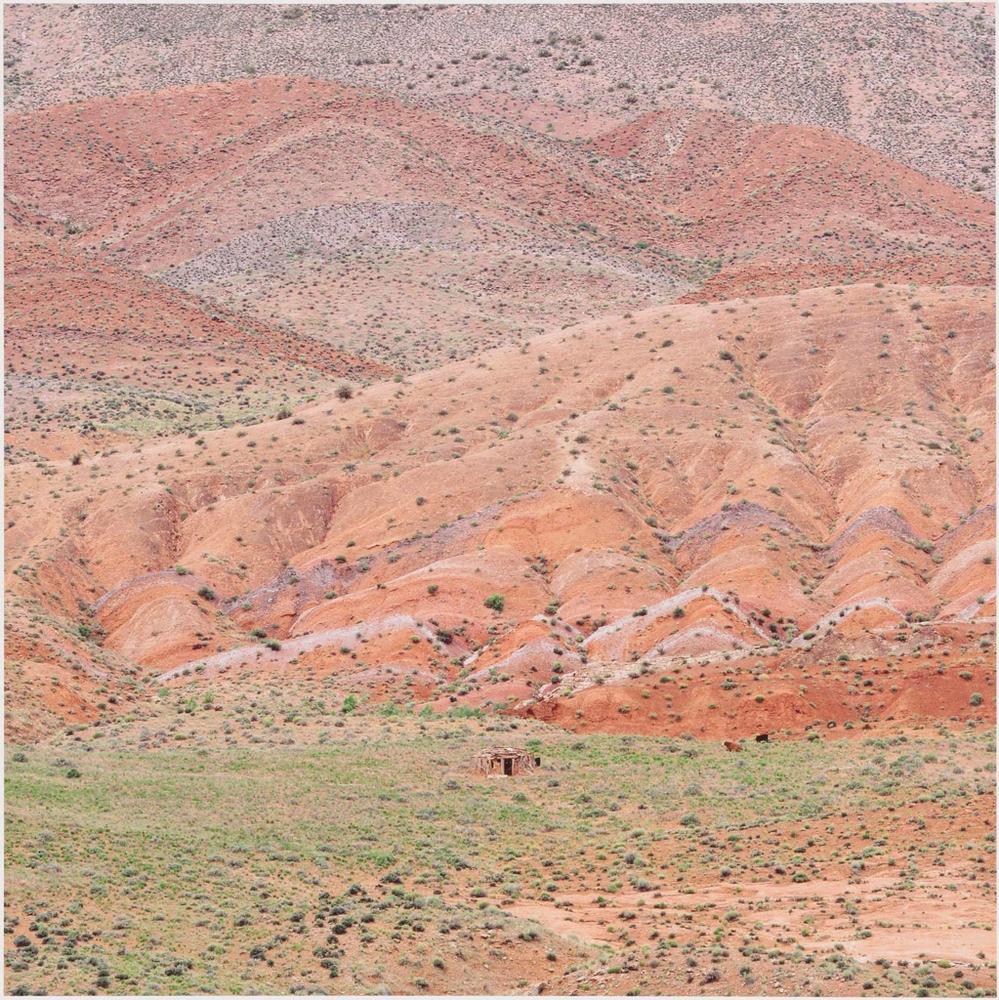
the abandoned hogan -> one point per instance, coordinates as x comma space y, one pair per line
505, 760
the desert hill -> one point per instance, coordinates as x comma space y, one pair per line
412, 237
501, 373
97, 354
903, 79
343, 214
690, 487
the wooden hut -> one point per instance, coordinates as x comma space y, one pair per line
505, 760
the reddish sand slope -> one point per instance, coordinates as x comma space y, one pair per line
762, 486
411, 236
910, 80
97, 354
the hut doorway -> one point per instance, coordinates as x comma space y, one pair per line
508, 766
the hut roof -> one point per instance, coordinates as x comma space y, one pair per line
504, 752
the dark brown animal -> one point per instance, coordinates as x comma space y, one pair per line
763, 738
732, 747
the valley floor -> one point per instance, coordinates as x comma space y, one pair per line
260, 840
